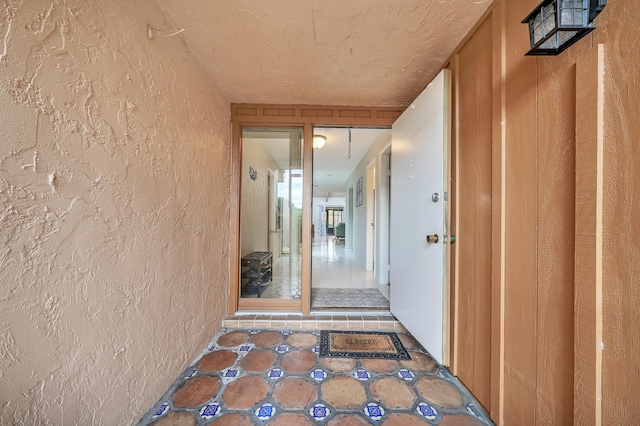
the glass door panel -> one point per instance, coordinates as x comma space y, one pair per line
334, 218
271, 213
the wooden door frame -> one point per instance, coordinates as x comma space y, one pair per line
305, 117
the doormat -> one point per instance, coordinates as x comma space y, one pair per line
361, 344
350, 298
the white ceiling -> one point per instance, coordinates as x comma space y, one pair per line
323, 52
331, 163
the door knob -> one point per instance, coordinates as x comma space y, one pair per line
433, 238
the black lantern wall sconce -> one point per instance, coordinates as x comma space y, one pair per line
554, 25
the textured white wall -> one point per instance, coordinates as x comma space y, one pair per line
114, 204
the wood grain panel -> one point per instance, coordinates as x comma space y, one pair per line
498, 217
556, 239
621, 215
454, 218
314, 114
246, 112
354, 113
386, 114
520, 222
588, 237
472, 344
279, 112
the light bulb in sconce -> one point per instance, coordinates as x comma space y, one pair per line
319, 141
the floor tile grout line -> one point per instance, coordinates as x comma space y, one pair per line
463, 408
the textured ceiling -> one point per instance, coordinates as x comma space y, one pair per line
322, 52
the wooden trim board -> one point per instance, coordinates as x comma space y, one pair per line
588, 256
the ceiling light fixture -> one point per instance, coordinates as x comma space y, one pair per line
319, 141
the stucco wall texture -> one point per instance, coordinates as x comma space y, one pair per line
114, 203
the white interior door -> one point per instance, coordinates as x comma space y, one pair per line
419, 138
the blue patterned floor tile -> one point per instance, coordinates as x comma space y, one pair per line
427, 411
162, 410
281, 349
230, 374
319, 412
265, 412
209, 411
373, 411
362, 375
318, 375
406, 374
275, 374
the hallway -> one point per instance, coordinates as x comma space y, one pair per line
333, 267
339, 281
275, 376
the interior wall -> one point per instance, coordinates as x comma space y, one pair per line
114, 205
350, 207
359, 225
359, 216
255, 197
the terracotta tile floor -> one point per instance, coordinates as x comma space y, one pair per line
269, 376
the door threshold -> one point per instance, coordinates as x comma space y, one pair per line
316, 321
347, 311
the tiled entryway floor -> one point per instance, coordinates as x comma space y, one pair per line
275, 377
